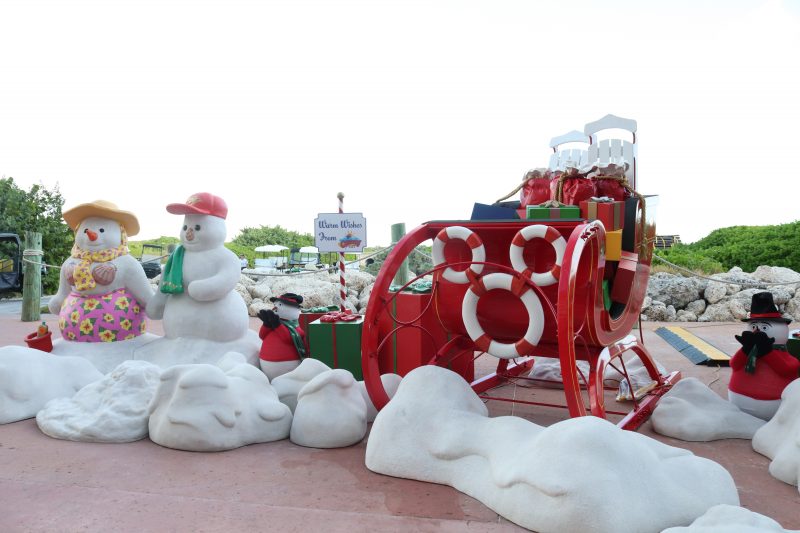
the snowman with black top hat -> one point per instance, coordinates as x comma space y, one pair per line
283, 340
762, 368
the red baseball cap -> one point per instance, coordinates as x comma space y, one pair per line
201, 203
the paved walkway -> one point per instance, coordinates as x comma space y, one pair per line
54, 485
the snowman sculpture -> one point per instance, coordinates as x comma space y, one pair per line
282, 338
203, 316
103, 291
762, 368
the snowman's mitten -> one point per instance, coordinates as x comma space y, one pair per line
269, 318
104, 273
747, 340
763, 343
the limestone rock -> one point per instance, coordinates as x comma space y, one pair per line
793, 308
697, 307
685, 316
715, 291
660, 312
673, 290
718, 312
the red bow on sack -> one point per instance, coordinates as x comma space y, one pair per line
339, 316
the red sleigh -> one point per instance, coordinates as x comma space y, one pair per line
515, 289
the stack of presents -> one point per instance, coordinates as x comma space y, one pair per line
573, 196
335, 338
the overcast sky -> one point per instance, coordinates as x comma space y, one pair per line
413, 109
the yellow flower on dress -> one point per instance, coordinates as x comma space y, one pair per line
142, 326
74, 317
71, 335
71, 301
108, 317
136, 309
108, 297
123, 303
87, 326
62, 323
107, 335
125, 323
91, 304
130, 336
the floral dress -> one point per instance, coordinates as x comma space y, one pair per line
115, 316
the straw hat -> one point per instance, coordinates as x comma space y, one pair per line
105, 209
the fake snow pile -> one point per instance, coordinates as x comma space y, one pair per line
558, 478
779, 439
112, 409
202, 407
728, 518
673, 297
691, 411
30, 378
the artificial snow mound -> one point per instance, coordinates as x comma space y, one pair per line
30, 378
779, 439
691, 411
730, 519
578, 473
288, 385
330, 412
203, 408
390, 383
112, 409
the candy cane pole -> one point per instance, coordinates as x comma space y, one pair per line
342, 284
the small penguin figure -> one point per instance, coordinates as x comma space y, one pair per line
283, 341
762, 368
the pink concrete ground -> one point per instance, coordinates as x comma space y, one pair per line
54, 485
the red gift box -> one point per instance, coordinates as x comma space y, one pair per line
410, 347
611, 214
623, 279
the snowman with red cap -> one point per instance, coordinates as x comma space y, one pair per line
196, 296
762, 368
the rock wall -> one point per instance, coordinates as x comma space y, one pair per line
675, 298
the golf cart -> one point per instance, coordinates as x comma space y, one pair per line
10, 263
151, 259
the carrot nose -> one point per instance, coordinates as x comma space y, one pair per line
92, 235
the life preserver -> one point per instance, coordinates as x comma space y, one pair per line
532, 304
473, 241
538, 231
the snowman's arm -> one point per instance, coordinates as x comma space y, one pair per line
136, 282
63, 290
738, 360
220, 284
155, 307
785, 366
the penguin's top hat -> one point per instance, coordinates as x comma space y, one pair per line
288, 298
762, 307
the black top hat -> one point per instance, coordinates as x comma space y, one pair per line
288, 298
762, 307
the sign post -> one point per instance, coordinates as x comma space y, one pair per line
340, 232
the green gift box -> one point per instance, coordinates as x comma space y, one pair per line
538, 212
337, 344
793, 346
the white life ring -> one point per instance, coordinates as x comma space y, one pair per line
532, 304
538, 231
473, 241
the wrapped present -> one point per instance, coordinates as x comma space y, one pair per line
410, 347
553, 210
604, 209
614, 245
307, 316
623, 279
335, 339
793, 344
493, 212
629, 226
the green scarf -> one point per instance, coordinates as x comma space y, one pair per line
292, 326
172, 278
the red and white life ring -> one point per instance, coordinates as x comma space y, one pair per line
469, 307
538, 231
473, 241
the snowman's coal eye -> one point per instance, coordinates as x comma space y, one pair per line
86, 230
185, 227
197, 227
102, 230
